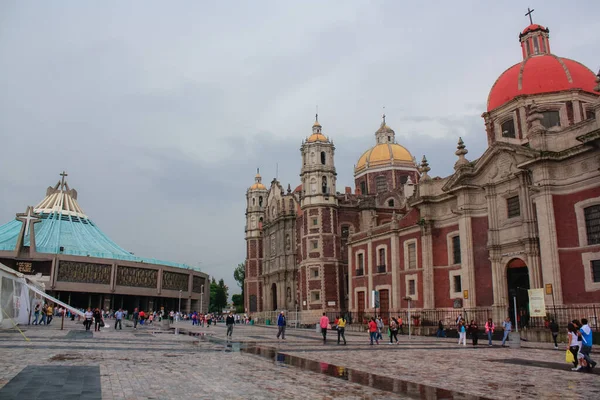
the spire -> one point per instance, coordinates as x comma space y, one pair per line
461, 150
60, 199
424, 170
316, 128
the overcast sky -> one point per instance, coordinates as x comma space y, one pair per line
161, 111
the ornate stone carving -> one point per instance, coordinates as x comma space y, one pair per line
174, 281
136, 277
197, 282
70, 271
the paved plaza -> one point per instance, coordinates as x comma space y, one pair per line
151, 363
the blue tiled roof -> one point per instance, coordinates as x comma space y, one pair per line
77, 236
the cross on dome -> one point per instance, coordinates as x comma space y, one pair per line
62, 179
528, 14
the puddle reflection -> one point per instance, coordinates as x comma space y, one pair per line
398, 386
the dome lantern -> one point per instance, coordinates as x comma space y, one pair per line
534, 39
385, 134
258, 185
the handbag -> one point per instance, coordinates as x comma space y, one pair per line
569, 359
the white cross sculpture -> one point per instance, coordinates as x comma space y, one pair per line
27, 218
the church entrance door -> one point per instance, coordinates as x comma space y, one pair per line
517, 276
274, 296
361, 307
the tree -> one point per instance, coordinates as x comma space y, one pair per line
218, 295
239, 274
236, 299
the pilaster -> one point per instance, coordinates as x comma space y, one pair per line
427, 263
550, 267
370, 276
467, 259
395, 292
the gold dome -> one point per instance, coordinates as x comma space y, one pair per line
259, 186
317, 137
384, 154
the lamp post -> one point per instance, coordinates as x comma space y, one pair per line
408, 300
201, 299
179, 308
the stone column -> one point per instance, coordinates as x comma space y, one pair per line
548, 245
159, 281
370, 276
350, 273
113, 277
467, 260
427, 260
395, 256
499, 308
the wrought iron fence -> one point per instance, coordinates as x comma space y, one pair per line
431, 317
562, 315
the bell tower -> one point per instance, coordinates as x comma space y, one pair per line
318, 169
256, 199
320, 275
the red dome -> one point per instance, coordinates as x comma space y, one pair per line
540, 74
533, 27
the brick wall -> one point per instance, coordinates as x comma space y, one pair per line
483, 266
439, 237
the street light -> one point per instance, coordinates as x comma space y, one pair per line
201, 299
408, 299
180, 291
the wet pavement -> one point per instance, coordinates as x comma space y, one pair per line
200, 363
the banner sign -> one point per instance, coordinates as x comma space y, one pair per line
537, 305
375, 299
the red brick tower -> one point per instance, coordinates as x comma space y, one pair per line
319, 273
256, 199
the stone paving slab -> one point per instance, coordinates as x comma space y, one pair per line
54, 382
536, 370
144, 368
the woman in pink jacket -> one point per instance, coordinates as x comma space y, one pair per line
373, 330
324, 324
489, 329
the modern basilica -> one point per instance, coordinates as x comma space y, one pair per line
525, 214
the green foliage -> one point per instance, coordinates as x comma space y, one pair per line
218, 295
237, 299
239, 274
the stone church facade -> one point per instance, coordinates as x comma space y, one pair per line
525, 214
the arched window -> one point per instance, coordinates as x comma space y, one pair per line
254, 201
324, 185
551, 119
260, 201
508, 129
323, 158
391, 203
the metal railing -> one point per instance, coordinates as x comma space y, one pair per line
562, 315
448, 316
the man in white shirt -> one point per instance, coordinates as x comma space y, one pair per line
88, 319
118, 318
